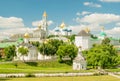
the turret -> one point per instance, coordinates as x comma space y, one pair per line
26, 38
45, 25
83, 39
102, 34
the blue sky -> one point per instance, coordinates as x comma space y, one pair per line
21, 15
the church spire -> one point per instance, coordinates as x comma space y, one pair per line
45, 24
44, 14
62, 25
87, 30
102, 29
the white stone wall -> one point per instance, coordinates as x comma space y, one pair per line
43, 57
84, 42
32, 55
77, 66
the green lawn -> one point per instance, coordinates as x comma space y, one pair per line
37, 67
41, 67
81, 78
113, 70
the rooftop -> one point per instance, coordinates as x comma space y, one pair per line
83, 33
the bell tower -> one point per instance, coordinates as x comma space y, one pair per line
45, 25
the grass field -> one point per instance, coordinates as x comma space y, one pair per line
41, 67
113, 70
37, 67
81, 78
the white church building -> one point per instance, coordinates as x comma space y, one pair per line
83, 41
62, 30
38, 35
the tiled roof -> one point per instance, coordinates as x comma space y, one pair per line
83, 33
6, 44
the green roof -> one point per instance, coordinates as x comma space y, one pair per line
20, 40
103, 34
6, 44
92, 39
116, 39
118, 49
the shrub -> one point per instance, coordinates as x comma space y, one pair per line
30, 75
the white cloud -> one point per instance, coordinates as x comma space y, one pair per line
8, 32
110, 0
78, 20
98, 18
78, 13
83, 13
91, 4
50, 22
77, 28
37, 23
12, 25
118, 24
114, 31
11, 22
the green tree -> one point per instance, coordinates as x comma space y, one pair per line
106, 41
71, 38
47, 49
55, 43
36, 44
67, 50
23, 50
10, 52
93, 36
103, 55
50, 47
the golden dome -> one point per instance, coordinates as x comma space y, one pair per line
12, 35
62, 25
44, 14
102, 28
87, 30
26, 35
39, 26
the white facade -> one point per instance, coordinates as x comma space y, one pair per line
83, 42
32, 55
62, 30
79, 62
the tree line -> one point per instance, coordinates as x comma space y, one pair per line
102, 55
52, 47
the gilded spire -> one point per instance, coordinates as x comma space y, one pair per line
62, 25
39, 26
26, 35
87, 30
44, 14
102, 28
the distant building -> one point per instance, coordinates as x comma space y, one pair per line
33, 53
37, 35
62, 30
79, 62
84, 41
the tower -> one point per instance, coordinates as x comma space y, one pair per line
83, 40
102, 34
26, 38
45, 25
